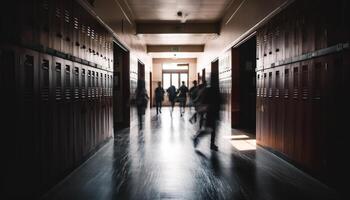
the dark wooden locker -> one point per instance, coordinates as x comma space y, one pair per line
46, 119
93, 108
278, 104
264, 111
83, 109
306, 123
289, 111
68, 112
258, 107
294, 111
82, 36
76, 29
27, 16
44, 19
272, 108
57, 12
67, 27
76, 101
59, 138
27, 145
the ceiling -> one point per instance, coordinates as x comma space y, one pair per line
193, 10
210, 25
177, 39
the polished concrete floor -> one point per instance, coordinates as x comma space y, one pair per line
160, 162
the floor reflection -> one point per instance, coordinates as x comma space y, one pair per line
159, 162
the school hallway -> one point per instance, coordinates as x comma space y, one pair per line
160, 162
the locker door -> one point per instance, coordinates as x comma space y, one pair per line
83, 114
27, 16
57, 26
45, 117
68, 113
44, 22
59, 145
27, 147
93, 108
297, 112
279, 108
97, 107
76, 101
67, 26
258, 107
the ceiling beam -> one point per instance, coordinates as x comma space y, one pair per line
177, 28
174, 48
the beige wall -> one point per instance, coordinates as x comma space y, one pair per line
157, 70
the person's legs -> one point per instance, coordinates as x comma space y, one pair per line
160, 107
157, 106
213, 136
139, 114
199, 134
201, 120
172, 105
182, 107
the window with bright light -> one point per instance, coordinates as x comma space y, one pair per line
174, 74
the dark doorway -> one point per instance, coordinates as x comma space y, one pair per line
121, 87
141, 71
203, 75
247, 84
214, 75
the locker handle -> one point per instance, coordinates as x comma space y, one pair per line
83, 47
270, 52
265, 54
277, 50
59, 35
77, 44
67, 39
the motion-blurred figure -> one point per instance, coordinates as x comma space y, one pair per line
196, 103
141, 98
210, 104
172, 95
193, 94
159, 92
182, 97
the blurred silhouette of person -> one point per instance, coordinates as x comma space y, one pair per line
197, 102
182, 97
159, 92
193, 94
172, 96
210, 104
141, 98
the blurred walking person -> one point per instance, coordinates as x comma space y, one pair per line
182, 97
159, 93
141, 98
172, 96
196, 103
193, 94
211, 101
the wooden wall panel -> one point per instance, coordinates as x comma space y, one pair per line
301, 78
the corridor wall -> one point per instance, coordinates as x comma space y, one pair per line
56, 75
302, 74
